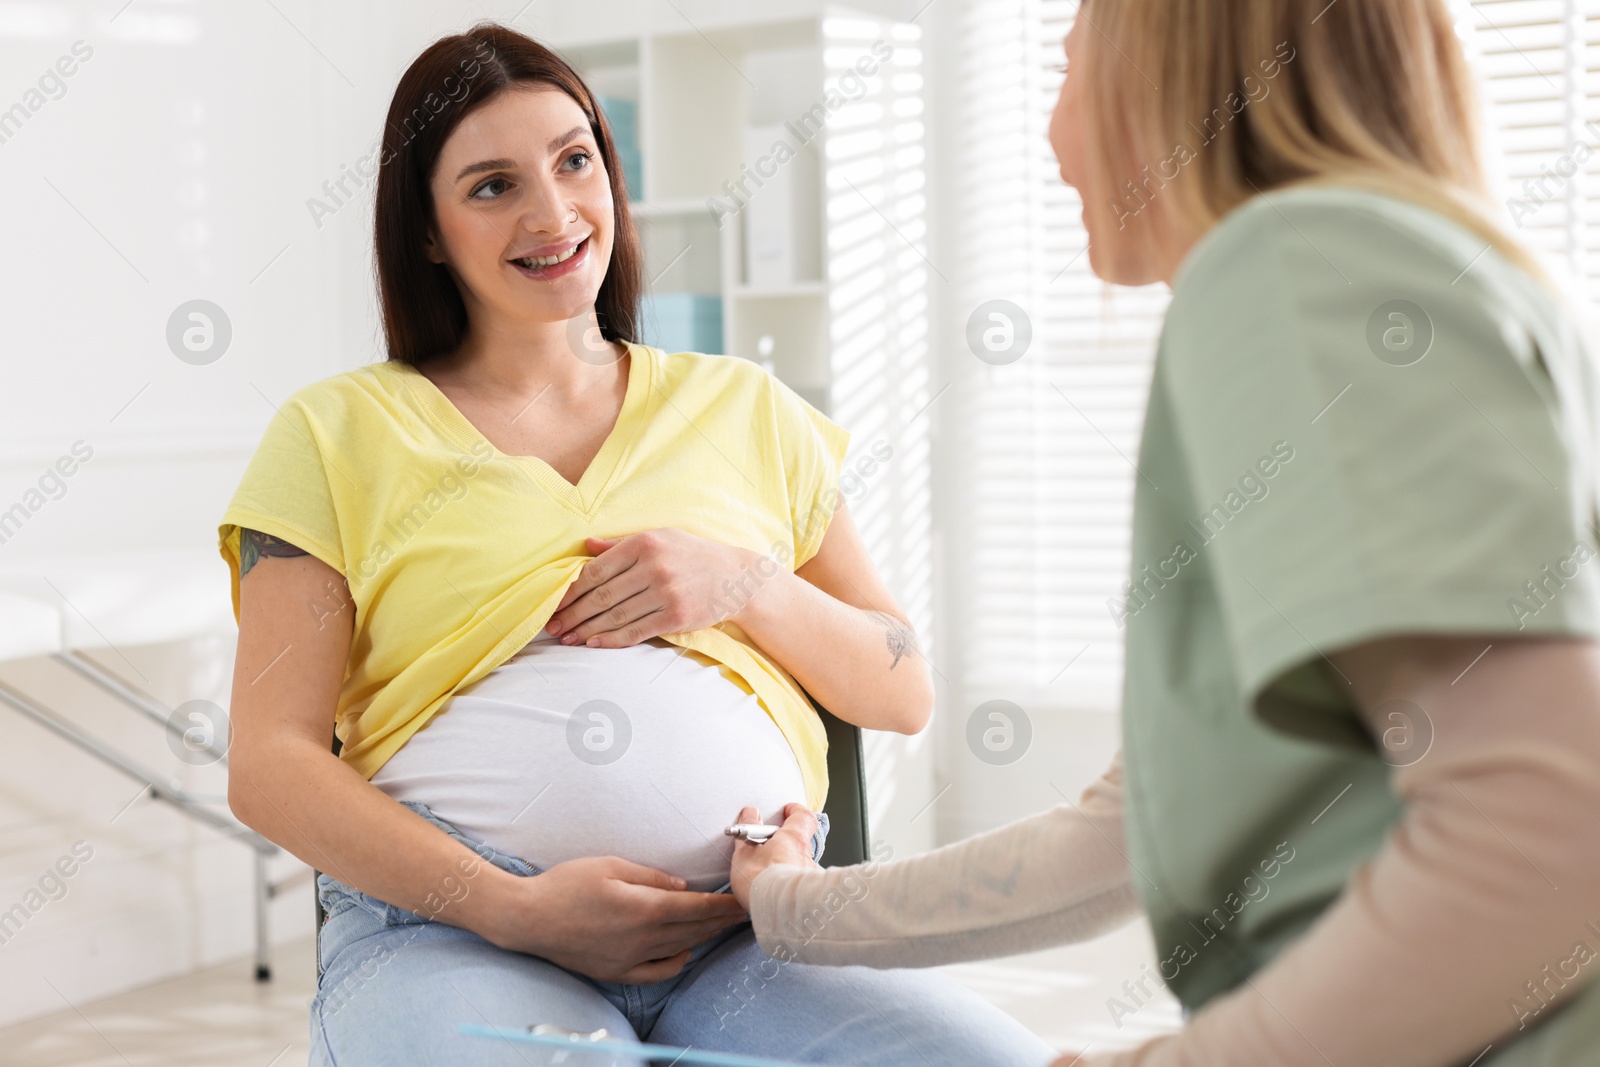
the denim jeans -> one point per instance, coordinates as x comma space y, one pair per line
396, 984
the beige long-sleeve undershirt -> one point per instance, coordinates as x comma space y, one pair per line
1491, 878
1056, 877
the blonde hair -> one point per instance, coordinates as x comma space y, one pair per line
1244, 96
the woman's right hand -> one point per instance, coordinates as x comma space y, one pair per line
790, 846
609, 919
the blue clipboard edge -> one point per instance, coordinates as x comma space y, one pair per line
575, 1043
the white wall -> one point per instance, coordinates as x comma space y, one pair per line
173, 164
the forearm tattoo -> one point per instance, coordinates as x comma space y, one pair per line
253, 544
900, 638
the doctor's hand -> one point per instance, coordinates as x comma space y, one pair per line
662, 581
609, 919
790, 846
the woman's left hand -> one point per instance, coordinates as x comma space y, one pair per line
662, 581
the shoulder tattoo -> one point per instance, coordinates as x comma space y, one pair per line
253, 544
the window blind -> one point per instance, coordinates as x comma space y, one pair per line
1044, 445
1535, 62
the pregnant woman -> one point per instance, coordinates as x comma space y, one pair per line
1361, 799
560, 595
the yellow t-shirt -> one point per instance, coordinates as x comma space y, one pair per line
456, 554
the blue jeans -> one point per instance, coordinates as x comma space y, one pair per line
396, 984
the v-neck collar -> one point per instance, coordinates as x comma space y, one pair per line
586, 494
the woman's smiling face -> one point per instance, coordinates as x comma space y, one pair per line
521, 179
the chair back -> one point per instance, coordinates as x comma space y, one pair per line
848, 833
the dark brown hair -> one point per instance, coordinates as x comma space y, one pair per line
423, 313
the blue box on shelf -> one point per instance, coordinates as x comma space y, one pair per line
623, 115
682, 322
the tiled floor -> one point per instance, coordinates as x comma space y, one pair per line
222, 1018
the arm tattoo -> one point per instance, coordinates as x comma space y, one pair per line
253, 544
897, 635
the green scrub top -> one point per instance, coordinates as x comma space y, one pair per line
1362, 422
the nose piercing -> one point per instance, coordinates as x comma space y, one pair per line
574, 216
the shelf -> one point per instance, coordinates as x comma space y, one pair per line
652, 209
771, 292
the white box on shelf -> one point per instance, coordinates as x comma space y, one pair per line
781, 215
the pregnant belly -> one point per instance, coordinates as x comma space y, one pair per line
646, 753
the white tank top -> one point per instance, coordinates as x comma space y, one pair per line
644, 752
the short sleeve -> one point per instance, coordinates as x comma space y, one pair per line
813, 448
1375, 445
285, 492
